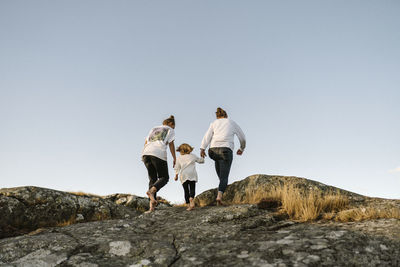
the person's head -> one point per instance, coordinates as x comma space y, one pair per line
221, 113
170, 122
185, 149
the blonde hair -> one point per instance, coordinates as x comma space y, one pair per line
171, 119
185, 148
221, 113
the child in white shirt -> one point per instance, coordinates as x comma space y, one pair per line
185, 167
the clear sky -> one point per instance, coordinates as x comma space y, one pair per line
315, 86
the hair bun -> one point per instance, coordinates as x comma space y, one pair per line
171, 119
221, 113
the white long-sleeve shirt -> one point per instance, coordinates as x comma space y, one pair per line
185, 167
221, 134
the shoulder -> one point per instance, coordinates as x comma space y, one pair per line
193, 156
170, 130
233, 122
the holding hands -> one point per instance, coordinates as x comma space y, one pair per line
202, 153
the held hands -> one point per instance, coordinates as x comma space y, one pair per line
202, 153
239, 152
176, 177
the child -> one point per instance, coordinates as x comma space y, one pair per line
185, 167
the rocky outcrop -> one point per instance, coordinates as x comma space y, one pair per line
234, 235
238, 235
24, 209
242, 191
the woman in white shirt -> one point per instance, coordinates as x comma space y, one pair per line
220, 137
154, 157
185, 168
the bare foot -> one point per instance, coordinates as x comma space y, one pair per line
219, 199
190, 208
150, 194
191, 204
152, 208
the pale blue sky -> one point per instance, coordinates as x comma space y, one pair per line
315, 86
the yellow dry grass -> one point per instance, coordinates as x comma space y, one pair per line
70, 221
80, 193
298, 204
301, 205
368, 213
180, 205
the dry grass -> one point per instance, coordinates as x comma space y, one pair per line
70, 221
301, 205
180, 205
80, 193
298, 204
369, 213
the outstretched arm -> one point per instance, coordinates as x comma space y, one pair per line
200, 160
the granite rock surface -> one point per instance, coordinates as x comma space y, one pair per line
237, 235
114, 231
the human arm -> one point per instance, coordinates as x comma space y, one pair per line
206, 141
177, 169
242, 139
200, 160
172, 149
147, 137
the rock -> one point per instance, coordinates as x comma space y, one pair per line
234, 235
24, 209
206, 237
135, 202
242, 192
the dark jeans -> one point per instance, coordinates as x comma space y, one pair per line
190, 190
157, 170
223, 157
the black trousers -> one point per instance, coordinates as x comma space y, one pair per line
223, 158
157, 170
190, 190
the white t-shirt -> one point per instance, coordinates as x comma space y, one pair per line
186, 167
157, 140
221, 134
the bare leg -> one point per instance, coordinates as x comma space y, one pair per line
219, 198
153, 201
191, 204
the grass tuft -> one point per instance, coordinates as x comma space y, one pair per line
299, 204
369, 213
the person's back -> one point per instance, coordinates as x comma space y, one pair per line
220, 137
186, 168
186, 165
224, 132
221, 133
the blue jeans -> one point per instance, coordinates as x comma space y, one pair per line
223, 157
